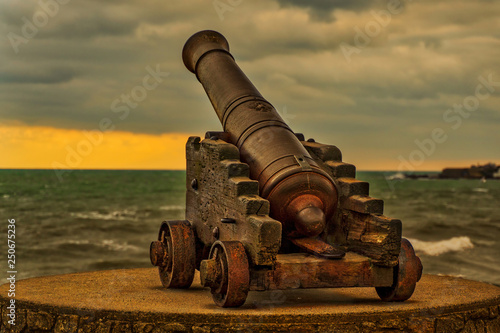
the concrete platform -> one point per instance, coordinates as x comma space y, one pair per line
134, 301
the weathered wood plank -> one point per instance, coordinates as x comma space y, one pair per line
223, 190
300, 270
322, 151
363, 204
375, 236
341, 169
352, 186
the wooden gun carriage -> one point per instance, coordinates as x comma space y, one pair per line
266, 209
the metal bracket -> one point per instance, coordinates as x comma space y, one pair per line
301, 160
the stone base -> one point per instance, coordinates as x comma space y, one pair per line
133, 300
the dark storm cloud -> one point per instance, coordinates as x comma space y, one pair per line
72, 20
45, 75
328, 5
11, 14
92, 24
322, 9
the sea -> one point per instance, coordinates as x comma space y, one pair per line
106, 219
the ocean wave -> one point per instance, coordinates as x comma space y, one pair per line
172, 207
480, 190
454, 244
117, 215
109, 244
396, 176
117, 246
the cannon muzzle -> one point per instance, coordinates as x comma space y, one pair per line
302, 196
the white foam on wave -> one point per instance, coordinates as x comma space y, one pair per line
110, 244
480, 190
117, 246
117, 215
172, 207
396, 176
454, 244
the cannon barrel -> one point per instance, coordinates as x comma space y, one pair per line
302, 196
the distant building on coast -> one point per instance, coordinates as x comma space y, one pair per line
486, 171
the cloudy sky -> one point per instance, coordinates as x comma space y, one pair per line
410, 85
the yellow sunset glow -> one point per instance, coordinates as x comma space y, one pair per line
26, 147
48, 148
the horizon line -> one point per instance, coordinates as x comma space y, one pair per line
111, 169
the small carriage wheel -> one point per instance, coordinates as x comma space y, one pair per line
175, 254
406, 275
230, 275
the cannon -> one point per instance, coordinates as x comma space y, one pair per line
266, 209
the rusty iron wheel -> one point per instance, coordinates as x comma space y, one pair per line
406, 275
179, 260
232, 275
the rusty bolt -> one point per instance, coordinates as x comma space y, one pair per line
215, 232
208, 272
157, 253
194, 184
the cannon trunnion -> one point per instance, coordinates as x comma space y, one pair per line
266, 209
